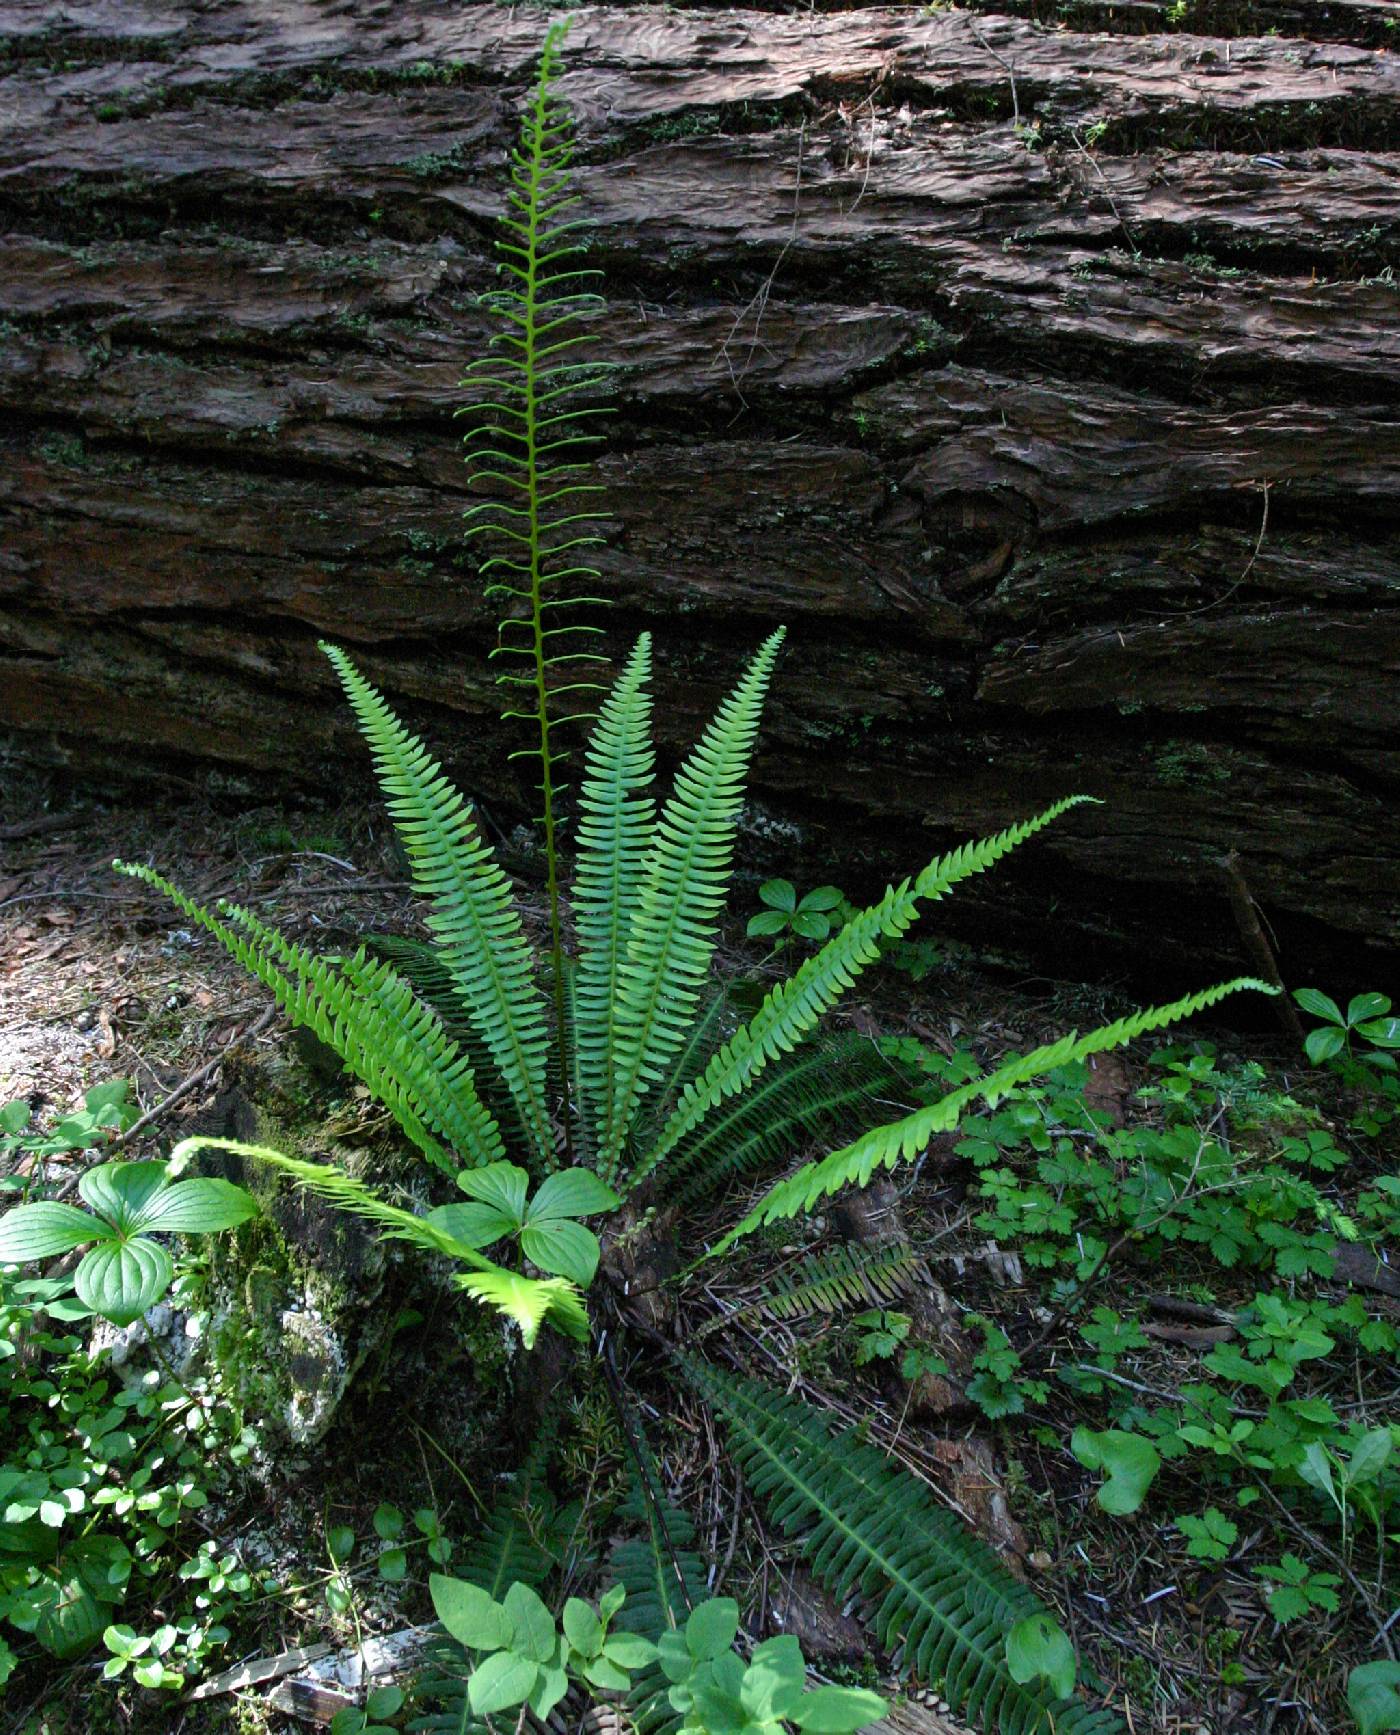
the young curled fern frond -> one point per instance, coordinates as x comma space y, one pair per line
900, 1141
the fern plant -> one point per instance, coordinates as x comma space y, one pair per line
613, 1072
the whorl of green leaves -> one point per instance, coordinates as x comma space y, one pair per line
900, 1141
526, 1300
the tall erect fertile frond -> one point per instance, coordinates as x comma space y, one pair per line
391, 1042
533, 409
535, 403
617, 817
899, 1141
526, 1300
479, 932
794, 1007
930, 1588
682, 890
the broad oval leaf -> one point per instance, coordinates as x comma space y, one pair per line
1362, 1006
1323, 1043
73, 1621
201, 1206
774, 1679
822, 898
121, 1279
1319, 1004
121, 1192
533, 1631
837, 1710
502, 1185
502, 1682
629, 1650
473, 1618
1369, 1456
779, 895
473, 1225
564, 1247
766, 922
1373, 1694
571, 1193
548, 1690
14, 1117
582, 1628
1037, 1649
712, 1628
39, 1231
1129, 1462
1384, 1032
603, 1673
811, 925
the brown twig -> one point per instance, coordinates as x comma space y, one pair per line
196, 1078
43, 822
1256, 943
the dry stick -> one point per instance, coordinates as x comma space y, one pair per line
196, 1078
1256, 943
44, 822
758, 303
1122, 221
1010, 73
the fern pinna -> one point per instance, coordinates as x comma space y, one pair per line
644, 1085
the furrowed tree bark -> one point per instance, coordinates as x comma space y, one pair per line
1037, 364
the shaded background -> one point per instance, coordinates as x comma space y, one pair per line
1035, 364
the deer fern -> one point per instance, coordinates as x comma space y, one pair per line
623, 1050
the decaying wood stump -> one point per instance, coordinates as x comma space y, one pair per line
1035, 362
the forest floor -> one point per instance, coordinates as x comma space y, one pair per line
99, 980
